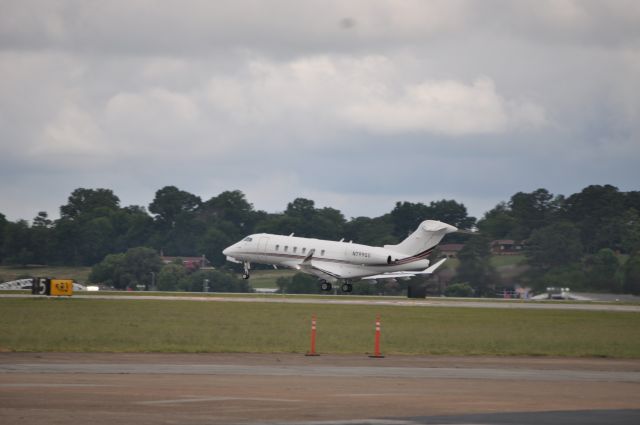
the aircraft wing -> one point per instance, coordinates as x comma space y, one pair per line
393, 275
323, 271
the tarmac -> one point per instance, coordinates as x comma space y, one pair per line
150, 388
369, 300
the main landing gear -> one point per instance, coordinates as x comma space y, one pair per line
247, 266
326, 286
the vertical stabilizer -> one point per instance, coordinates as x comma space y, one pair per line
427, 235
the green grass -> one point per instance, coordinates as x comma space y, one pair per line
498, 261
89, 325
267, 278
79, 274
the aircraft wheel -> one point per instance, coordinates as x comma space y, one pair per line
245, 276
347, 287
325, 286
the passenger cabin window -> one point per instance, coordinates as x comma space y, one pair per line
295, 249
304, 250
247, 239
286, 248
322, 252
277, 247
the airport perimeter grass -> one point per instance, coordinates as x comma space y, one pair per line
90, 325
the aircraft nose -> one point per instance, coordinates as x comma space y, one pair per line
226, 251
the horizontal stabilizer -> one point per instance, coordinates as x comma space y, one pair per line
393, 275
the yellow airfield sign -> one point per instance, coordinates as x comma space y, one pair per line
62, 287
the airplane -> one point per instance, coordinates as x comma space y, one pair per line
334, 261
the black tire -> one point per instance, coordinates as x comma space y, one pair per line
347, 287
245, 276
325, 286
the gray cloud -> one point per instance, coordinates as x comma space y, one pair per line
353, 104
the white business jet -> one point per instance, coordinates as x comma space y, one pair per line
333, 261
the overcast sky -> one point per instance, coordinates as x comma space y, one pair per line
354, 104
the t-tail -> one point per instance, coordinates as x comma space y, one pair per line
424, 239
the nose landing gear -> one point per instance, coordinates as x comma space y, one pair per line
247, 266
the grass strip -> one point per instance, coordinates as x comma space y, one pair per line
90, 325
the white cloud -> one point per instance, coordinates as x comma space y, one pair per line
447, 107
366, 93
72, 134
151, 121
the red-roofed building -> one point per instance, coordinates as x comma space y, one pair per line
450, 250
190, 263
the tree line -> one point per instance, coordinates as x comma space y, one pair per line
577, 238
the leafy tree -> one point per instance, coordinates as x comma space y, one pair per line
631, 235
532, 211
17, 243
3, 226
302, 218
602, 269
109, 271
171, 277
132, 226
178, 229
475, 266
218, 282
86, 201
594, 210
451, 212
232, 211
230, 206
84, 233
139, 263
407, 216
459, 290
42, 220
95, 240
568, 275
370, 231
214, 241
128, 270
300, 283
498, 223
557, 244
41, 238
301, 208
170, 203
631, 282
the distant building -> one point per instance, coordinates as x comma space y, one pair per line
450, 250
506, 247
190, 263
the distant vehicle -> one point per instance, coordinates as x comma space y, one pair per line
333, 261
558, 293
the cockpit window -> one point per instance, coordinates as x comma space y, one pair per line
247, 239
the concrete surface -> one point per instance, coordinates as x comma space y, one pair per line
364, 300
76, 388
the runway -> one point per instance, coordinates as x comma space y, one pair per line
367, 300
285, 388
